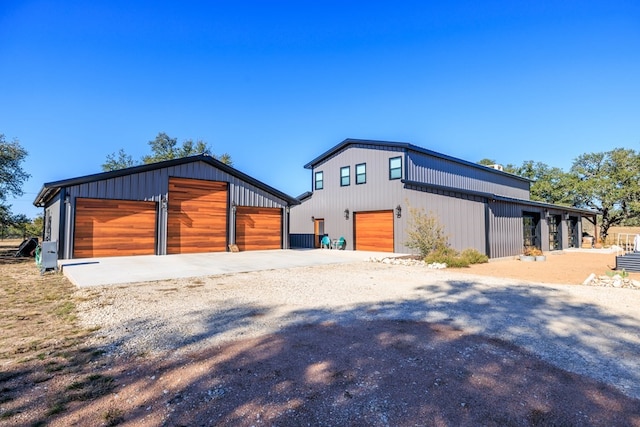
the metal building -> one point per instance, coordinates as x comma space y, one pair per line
186, 205
364, 191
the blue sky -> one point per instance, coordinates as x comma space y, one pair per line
276, 83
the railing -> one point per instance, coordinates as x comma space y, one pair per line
626, 241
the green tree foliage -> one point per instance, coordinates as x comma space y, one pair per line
610, 183
163, 147
12, 176
425, 233
120, 160
550, 184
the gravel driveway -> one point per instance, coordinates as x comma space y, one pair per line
587, 330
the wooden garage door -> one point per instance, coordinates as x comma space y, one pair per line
197, 217
258, 228
374, 231
106, 228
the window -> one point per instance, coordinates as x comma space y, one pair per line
395, 168
319, 181
345, 178
361, 173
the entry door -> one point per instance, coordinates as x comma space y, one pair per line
318, 231
530, 222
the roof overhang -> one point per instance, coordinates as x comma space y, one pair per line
51, 188
405, 146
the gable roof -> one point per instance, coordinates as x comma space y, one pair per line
406, 147
51, 188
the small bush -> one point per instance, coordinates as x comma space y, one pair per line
448, 256
455, 259
474, 257
425, 233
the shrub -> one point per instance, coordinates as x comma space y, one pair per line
425, 233
447, 256
474, 257
532, 251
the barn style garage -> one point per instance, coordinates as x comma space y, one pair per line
189, 205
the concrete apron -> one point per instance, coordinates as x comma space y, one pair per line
88, 272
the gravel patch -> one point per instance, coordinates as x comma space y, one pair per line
591, 331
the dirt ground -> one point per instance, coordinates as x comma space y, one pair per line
367, 373
559, 267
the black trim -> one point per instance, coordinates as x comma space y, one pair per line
365, 173
407, 147
45, 193
348, 168
316, 180
495, 197
390, 169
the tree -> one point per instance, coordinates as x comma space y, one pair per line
12, 176
550, 184
120, 161
163, 147
610, 183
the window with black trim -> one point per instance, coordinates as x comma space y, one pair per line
345, 176
395, 168
319, 181
361, 173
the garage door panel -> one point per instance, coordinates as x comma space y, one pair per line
197, 216
374, 231
258, 228
106, 227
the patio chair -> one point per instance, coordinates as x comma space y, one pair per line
341, 243
325, 242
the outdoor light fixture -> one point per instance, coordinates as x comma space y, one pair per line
233, 207
566, 216
313, 219
398, 211
164, 203
346, 214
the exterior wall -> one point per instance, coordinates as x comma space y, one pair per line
154, 186
378, 193
461, 215
505, 229
442, 172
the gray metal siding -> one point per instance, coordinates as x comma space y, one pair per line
442, 172
154, 186
505, 229
378, 193
462, 217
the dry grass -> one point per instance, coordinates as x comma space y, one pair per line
41, 343
38, 311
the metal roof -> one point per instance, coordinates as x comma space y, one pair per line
495, 197
50, 189
408, 147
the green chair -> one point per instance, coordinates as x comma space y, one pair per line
341, 243
325, 242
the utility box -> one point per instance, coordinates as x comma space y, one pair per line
49, 256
